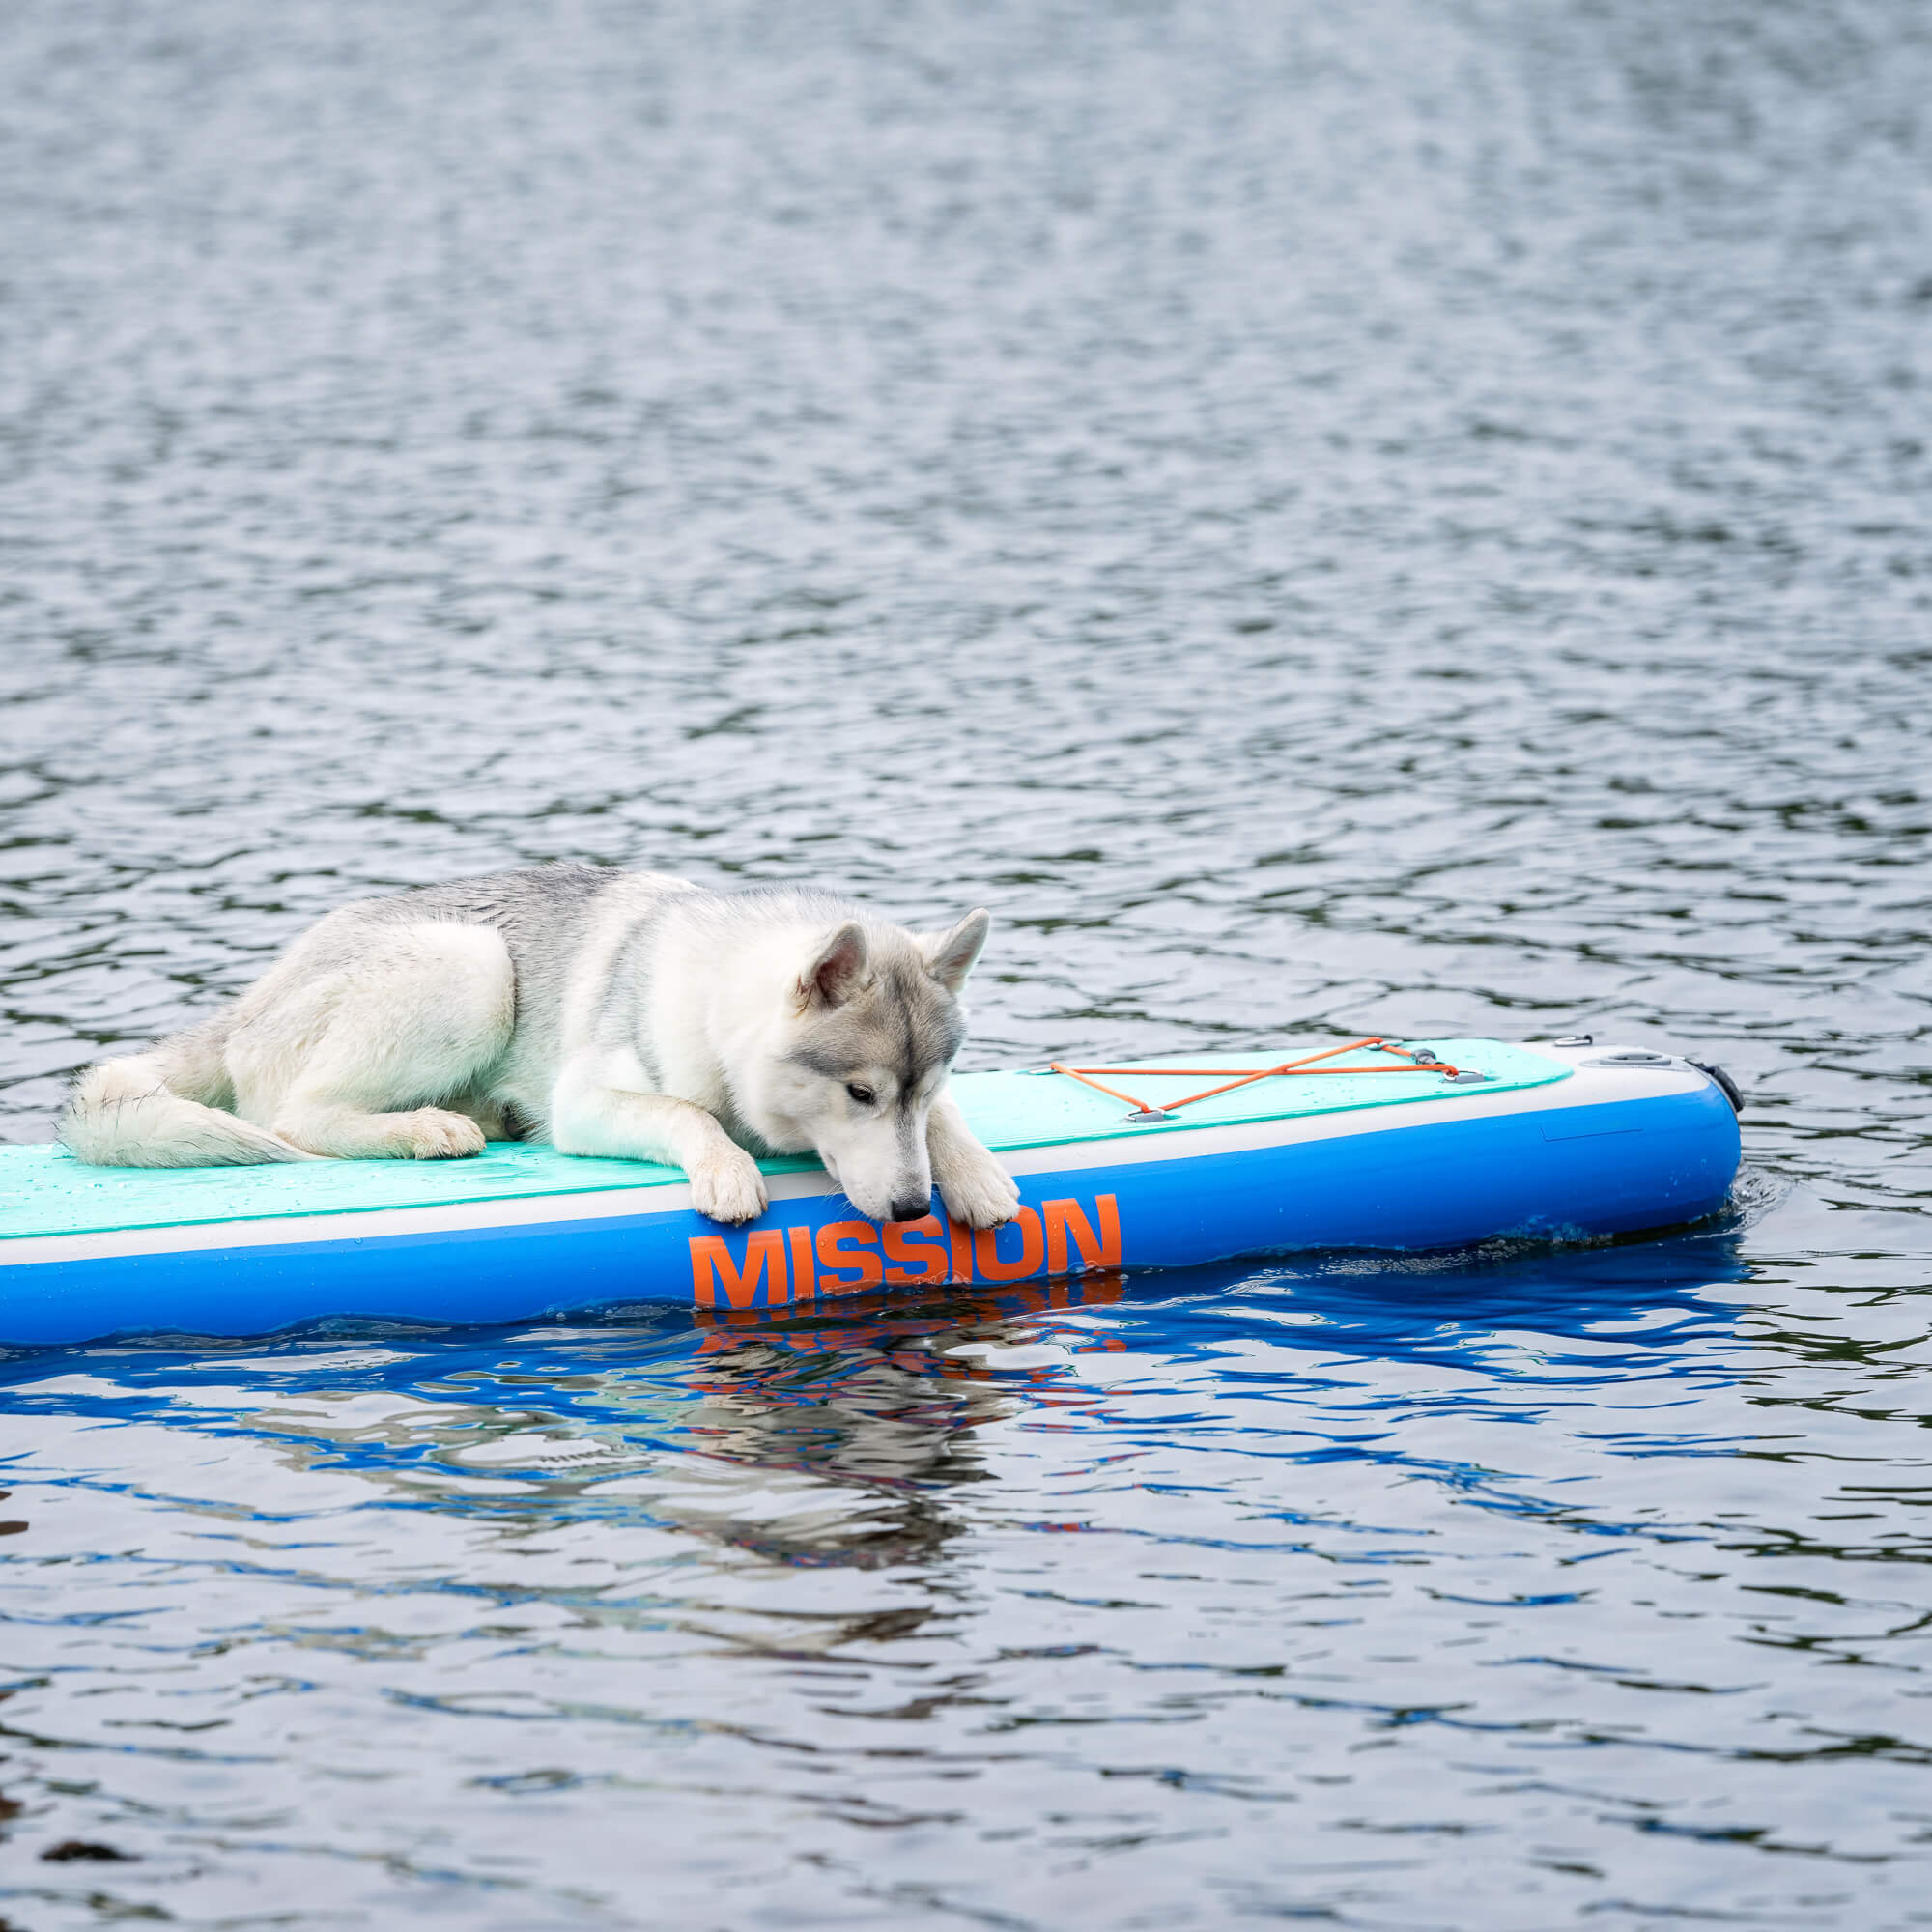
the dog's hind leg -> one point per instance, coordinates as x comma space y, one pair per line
353, 1062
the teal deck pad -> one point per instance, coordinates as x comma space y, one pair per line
43, 1190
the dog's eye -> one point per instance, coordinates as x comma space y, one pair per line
863, 1094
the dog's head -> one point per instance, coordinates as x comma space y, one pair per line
874, 1024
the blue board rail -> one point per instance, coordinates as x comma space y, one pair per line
1555, 1143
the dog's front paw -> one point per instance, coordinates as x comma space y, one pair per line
980, 1192
729, 1186
433, 1134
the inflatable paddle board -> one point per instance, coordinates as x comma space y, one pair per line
1383, 1145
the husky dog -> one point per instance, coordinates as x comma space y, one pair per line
628, 1015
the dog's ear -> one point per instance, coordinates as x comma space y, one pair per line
837, 969
949, 955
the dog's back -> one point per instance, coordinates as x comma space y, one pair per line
173, 1105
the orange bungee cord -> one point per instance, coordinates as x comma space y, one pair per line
1420, 1060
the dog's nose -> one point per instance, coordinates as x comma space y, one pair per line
911, 1207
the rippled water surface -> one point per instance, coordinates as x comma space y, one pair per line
1405, 516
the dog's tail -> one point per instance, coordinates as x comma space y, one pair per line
149, 1110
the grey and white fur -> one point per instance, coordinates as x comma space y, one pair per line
628, 1015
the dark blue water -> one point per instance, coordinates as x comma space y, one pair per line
1402, 517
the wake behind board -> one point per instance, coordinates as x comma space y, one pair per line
1395, 1148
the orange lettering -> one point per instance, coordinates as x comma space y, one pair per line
869, 1268
803, 1275
711, 1267
961, 1237
930, 1258
1064, 1218
1033, 1250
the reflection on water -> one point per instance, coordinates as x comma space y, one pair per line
1384, 517
1500, 1548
